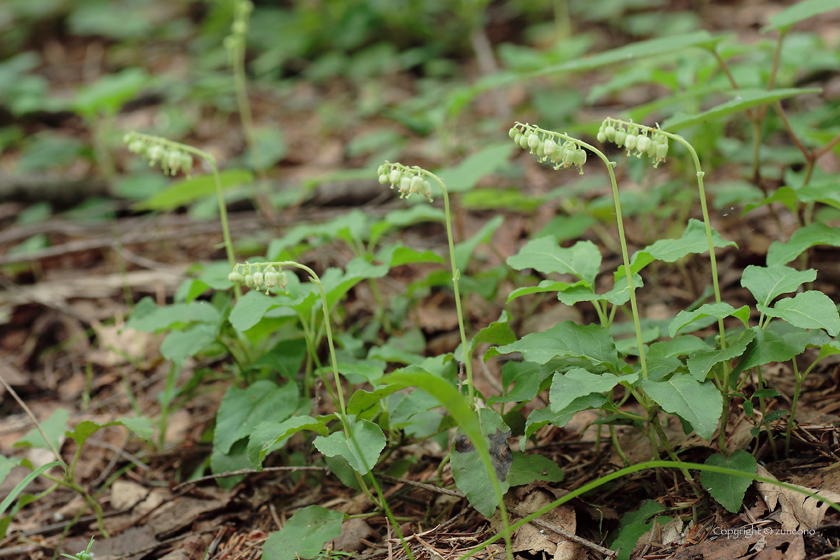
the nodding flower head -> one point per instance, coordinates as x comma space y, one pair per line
259, 276
550, 147
644, 140
407, 180
161, 151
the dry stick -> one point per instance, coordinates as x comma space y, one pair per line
250, 471
34, 420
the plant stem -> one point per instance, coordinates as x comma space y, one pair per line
34, 420
456, 274
796, 391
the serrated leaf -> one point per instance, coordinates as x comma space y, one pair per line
743, 99
583, 259
54, 426
361, 455
729, 490
801, 240
808, 310
473, 168
189, 190
180, 345
783, 195
575, 383
498, 332
527, 379
700, 363
767, 283
531, 468
268, 434
176, 315
242, 410
679, 346
540, 417
799, 12
699, 404
591, 342
768, 346
544, 286
716, 310
468, 471
693, 241
304, 534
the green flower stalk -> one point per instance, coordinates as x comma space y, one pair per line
653, 142
413, 180
563, 151
174, 157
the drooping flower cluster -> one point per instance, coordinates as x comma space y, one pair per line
408, 180
161, 151
239, 27
259, 275
642, 139
550, 147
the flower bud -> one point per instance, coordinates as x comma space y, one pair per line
249, 280
232, 277
383, 170
620, 137
630, 142
580, 158
540, 151
416, 184
569, 158
258, 279
662, 149
523, 141
270, 278
173, 162
533, 141
427, 190
239, 27
602, 136
136, 147
549, 147
513, 132
405, 186
155, 153
395, 176
610, 132
651, 151
517, 138
642, 144
282, 281
186, 162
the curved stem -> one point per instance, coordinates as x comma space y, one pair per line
456, 274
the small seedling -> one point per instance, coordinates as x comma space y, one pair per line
83, 554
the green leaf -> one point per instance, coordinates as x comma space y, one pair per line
250, 309
153, 319
7, 501
527, 379
583, 259
783, 195
693, 241
729, 490
801, 240
544, 286
591, 342
768, 346
54, 427
189, 190
566, 227
743, 99
465, 249
110, 92
268, 434
363, 455
498, 332
767, 283
180, 345
470, 477
716, 310
539, 418
700, 363
337, 285
799, 12
679, 346
633, 525
531, 468
139, 425
473, 168
700, 404
6, 466
397, 255
808, 310
242, 410
304, 535
575, 383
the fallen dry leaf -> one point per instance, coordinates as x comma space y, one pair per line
798, 510
537, 540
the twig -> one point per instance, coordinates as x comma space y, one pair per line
429, 487
32, 417
251, 471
